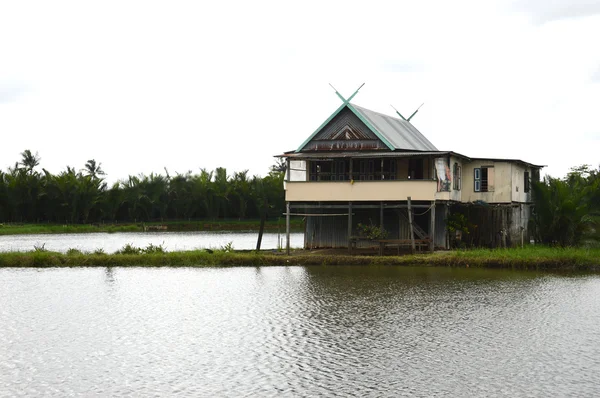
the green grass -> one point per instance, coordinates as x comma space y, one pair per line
538, 258
207, 225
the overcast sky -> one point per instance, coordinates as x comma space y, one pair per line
143, 85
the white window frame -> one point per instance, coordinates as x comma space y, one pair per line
477, 179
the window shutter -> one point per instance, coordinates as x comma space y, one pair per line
477, 178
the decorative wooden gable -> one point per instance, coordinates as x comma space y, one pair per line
345, 132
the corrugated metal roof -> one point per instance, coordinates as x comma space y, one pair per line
512, 160
371, 154
400, 133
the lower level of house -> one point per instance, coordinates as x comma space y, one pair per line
444, 224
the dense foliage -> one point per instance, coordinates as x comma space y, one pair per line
567, 210
28, 195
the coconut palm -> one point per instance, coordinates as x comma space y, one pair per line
29, 161
93, 169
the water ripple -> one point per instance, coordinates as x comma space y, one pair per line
297, 331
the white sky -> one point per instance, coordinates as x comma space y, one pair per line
143, 85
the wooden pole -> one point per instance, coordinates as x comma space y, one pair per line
432, 219
521, 223
349, 226
410, 225
261, 229
503, 213
381, 215
447, 240
287, 228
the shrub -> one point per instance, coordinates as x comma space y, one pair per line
153, 249
372, 231
129, 249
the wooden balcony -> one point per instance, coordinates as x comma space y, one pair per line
361, 190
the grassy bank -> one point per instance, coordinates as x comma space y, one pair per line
540, 258
172, 226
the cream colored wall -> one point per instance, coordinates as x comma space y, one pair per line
360, 190
502, 182
518, 183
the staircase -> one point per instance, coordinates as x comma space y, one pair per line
421, 234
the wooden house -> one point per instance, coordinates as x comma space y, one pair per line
362, 167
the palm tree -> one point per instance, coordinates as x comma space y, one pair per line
29, 160
93, 169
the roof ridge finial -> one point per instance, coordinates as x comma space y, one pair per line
346, 101
411, 116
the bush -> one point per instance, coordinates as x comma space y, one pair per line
129, 249
153, 249
372, 231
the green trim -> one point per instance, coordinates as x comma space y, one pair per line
360, 117
371, 127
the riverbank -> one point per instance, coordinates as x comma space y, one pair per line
534, 258
167, 226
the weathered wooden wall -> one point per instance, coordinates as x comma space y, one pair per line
492, 221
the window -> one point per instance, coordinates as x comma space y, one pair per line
484, 179
415, 169
389, 169
526, 182
367, 170
456, 177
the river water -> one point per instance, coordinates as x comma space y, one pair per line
298, 331
171, 241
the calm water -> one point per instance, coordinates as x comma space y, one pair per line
298, 331
172, 241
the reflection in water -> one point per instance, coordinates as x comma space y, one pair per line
109, 275
171, 241
357, 331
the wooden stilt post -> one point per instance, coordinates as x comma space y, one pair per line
521, 223
446, 234
287, 228
263, 215
350, 227
503, 214
410, 225
381, 215
432, 227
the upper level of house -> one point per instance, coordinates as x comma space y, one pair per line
361, 155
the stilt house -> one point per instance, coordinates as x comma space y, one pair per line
364, 168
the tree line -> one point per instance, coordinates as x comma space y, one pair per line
567, 210
28, 195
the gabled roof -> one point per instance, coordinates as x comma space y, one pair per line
396, 134
400, 133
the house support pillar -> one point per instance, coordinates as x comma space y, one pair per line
350, 227
432, 227
287, 228
410, 225
446, 234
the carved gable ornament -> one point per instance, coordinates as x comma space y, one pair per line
346, 133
